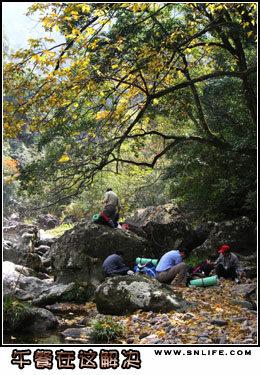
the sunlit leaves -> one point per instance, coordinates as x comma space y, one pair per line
64, 159
109, 81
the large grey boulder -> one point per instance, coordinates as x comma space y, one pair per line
121, 295
66, 293
240, 234
21, 235
22, 282
79, 253
165, 227
40, 320
18, 245
48, 221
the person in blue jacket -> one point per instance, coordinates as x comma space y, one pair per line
170, 265
114, 265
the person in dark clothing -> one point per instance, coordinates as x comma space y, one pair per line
114, 265
228, 264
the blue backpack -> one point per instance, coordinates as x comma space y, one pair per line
148, 269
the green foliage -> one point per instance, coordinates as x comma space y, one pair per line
192, 260
106, 330
15, 313
58, 230
170, 87
215, 185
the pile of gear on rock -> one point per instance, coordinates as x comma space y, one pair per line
171, 269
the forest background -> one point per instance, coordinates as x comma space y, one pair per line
155, 100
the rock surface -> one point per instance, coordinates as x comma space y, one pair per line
79, 253
48, 221
19, 241
41, 320
22, 282
64, 293
240, 234
164, 227
121, 295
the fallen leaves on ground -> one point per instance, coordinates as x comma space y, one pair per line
211, 319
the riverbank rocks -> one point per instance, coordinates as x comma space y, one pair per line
164, 227
41, 320
76, 292
121, 295
19, 241
79, 253
77, 335
240, 234
48, 221
22, 282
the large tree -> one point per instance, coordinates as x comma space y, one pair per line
130, 76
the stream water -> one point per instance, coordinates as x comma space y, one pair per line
50, 337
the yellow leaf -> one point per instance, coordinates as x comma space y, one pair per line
64, 159
161, 333
75, 116
85, 8
57, 28
47, 20
136, 7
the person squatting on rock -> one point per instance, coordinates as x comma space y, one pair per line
112, 205
170, 265
228, 265
114, 265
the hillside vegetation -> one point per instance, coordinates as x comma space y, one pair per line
156, 100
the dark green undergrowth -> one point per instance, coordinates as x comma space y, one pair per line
15, 313
105, 330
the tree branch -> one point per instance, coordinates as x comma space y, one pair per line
205, 77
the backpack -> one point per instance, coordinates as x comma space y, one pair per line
148, 269
103, 219
202, 270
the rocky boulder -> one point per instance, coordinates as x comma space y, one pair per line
48, 221
76, 292
32, 321
121, 295
240, 234
22, 282
21, 235
79, 253
203, 230
40, 320
19, 242
164, 227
